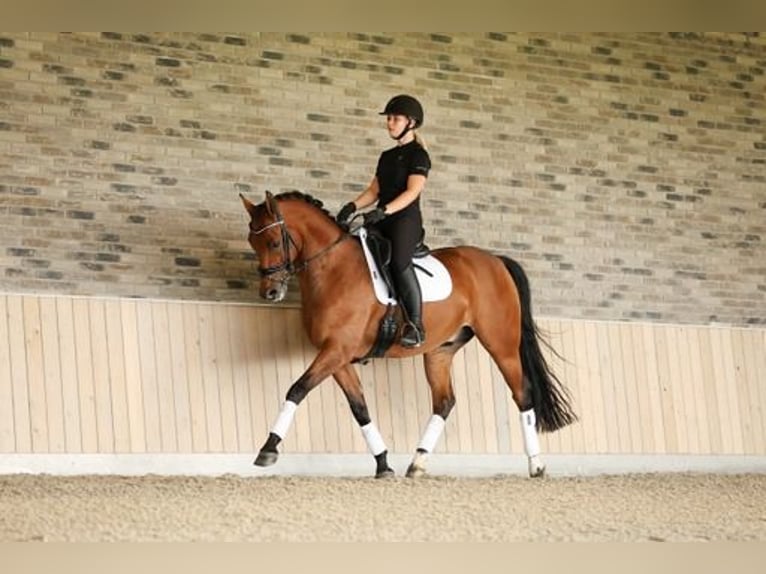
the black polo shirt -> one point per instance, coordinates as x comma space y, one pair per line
395, 166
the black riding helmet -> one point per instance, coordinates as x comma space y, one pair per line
404, 105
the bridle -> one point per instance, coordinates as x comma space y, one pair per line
287, 267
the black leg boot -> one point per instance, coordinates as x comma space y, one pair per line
411, 299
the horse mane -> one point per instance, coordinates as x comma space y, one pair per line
306, 198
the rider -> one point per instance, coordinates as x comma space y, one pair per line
396, 186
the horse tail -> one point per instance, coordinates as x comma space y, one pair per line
550, 399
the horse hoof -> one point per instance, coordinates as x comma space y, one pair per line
539, 472
266, 458
415, 471
387, 472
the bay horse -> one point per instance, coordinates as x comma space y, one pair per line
292, 233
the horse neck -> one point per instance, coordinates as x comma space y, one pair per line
318, 236
312, 230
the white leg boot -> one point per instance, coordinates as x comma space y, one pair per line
426, 446
531, 443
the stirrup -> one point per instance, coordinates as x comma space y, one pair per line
412, 336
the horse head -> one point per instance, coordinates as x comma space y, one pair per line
273, 244
288, 232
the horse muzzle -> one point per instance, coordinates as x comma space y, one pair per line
273, 292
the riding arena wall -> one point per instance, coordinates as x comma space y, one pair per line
625, 172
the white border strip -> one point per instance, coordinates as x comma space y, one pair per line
364, 465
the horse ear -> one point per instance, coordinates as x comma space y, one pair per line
270, 207
249, 207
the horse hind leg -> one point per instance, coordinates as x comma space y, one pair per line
542, 400
531, 442
510, 365
437, 364
513, 373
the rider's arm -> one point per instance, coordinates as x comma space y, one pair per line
369, 195
415, 185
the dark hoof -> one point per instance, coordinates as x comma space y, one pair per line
266, 458
538, 473
415, 471
387, 472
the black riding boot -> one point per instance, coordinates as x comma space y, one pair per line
408, 290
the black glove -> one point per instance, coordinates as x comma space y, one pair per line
345, 213
374, 216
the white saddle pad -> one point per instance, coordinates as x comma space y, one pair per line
435, 281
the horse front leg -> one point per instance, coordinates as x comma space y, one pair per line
323, 365
348, 380
269, 453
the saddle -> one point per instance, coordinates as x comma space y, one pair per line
434, 279
380, 249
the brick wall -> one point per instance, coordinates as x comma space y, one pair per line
625, 171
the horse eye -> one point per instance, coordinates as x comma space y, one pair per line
273, 244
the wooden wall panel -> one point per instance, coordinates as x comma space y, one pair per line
81, 316
194, 378
134, 397
51, 374
237, 337
180, 376
67, 378
115, 349
7, 423
33, 351
150, 393
90, 375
